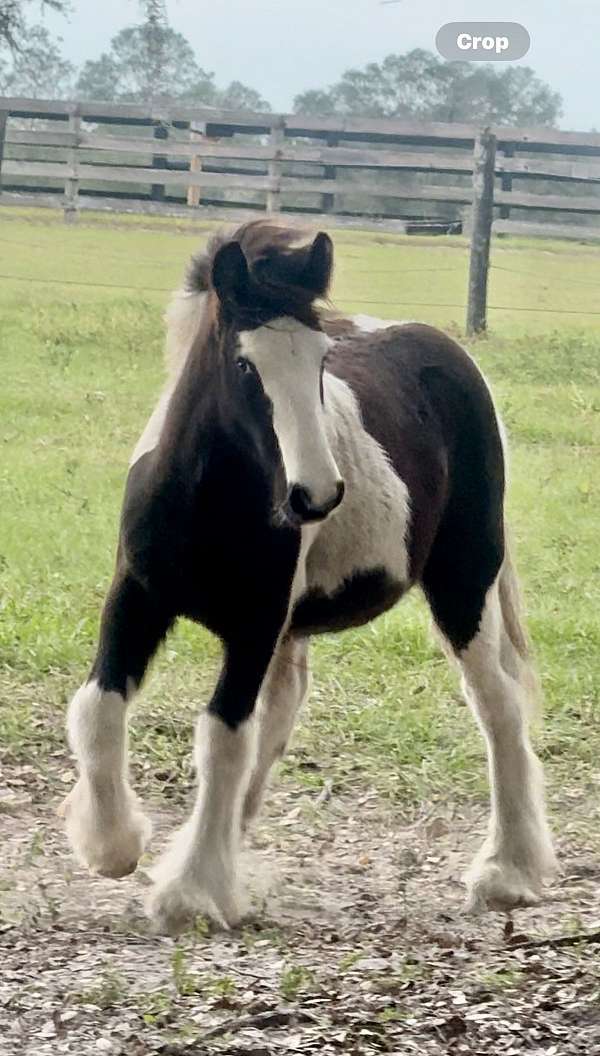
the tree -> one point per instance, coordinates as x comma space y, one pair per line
127, 72
317, 102
14, 29
153, 61
31, 62
155, 30
238, 96
420, 85
36, 68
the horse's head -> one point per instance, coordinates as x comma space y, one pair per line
272, 352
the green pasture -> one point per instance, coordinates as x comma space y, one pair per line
80, 348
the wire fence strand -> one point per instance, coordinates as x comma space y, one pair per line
346, 301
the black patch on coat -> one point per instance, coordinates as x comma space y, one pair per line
134, 623
360, 599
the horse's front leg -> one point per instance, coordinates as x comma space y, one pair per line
197, 873
104, 821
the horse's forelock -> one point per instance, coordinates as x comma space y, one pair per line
277, 258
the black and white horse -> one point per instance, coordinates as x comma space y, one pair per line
298, 476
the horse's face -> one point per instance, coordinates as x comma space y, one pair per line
274, 364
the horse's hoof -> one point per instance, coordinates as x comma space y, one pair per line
500, 887
109, 850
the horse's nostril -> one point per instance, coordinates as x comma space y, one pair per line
341, 489
300, 501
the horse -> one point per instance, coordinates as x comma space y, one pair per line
300, 473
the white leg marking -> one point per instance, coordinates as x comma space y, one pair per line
197, 872
285, 688
104, 821
509, 869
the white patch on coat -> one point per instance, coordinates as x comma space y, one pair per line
517, 854
183, 318
369, 529
197, 873
154, 427
370, 324
288, 358
104, 821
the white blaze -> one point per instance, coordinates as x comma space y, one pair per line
288, 357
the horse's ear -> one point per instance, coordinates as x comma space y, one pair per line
230, 274
316, 274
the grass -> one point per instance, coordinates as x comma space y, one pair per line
81, 366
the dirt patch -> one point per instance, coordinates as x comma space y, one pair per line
358, 945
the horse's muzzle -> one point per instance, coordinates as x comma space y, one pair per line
300, 508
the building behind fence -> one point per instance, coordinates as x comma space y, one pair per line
403, 175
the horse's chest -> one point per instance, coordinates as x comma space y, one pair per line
359, 555
369, 529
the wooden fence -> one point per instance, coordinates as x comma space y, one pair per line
404, 174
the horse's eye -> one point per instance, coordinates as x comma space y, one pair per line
244, 365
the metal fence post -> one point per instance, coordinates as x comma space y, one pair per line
484, 162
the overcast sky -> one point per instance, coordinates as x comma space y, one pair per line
282, 47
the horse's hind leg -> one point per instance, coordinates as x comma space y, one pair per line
284, 690
105, 824
517, 854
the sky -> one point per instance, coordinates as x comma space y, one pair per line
282, 47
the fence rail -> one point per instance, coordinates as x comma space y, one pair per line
355, 171
204, 158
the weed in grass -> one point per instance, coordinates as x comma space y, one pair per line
109, 991
200, 930
504, 979
34, 849
222, 988
294, 980
155, 1007
185, 981
394, 982
350, 959
269, 936
392, 1014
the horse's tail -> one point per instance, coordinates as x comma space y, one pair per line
518, 654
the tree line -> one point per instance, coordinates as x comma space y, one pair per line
151, 60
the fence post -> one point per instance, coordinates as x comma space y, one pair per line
159, 161
507, 180
484, 162
197, 134
275, 167
71, 204
330, 173
3, 124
